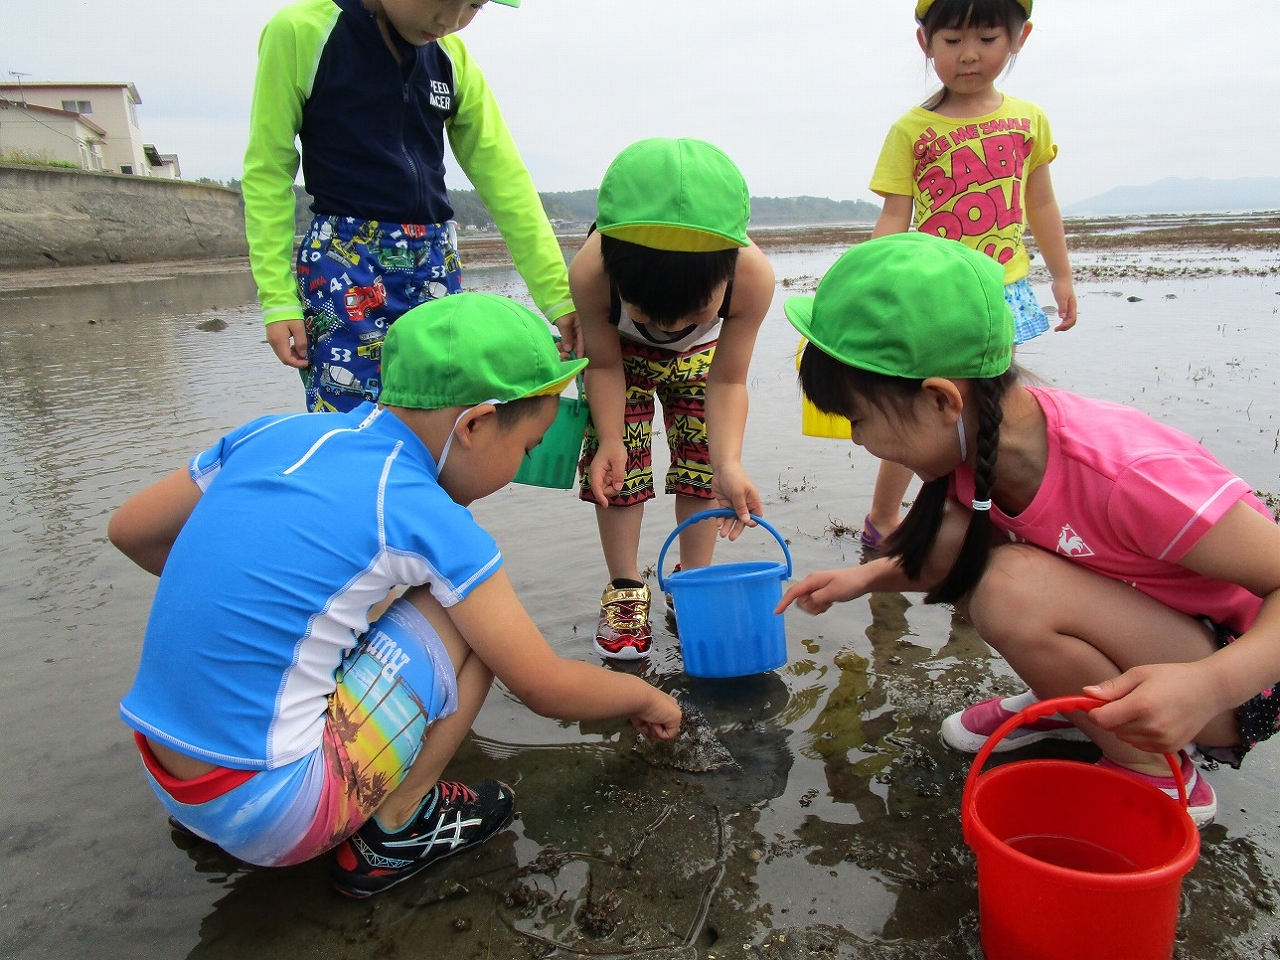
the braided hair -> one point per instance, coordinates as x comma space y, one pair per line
836, 388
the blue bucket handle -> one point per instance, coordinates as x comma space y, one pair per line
718, 512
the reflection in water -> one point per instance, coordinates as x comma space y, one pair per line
837, 834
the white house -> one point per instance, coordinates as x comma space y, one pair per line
110, 107
162, 164
31, 132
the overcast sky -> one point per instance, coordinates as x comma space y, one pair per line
799, 93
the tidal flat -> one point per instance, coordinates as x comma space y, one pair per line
835, 832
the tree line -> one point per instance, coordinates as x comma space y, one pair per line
578, 208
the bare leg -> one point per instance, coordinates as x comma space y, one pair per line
886, 501
697, 542
1063, 627
444, 736
620, 539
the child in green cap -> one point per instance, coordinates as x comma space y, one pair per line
670, 295
972, 164
273, 718
1095, 548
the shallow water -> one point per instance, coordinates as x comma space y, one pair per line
837, 831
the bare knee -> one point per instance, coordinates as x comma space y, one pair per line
1007, 605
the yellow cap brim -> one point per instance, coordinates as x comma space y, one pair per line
664, 236
923, 7
557, 387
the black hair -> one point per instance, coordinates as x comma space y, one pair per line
513, 411
667, 285
835, 387
958, 14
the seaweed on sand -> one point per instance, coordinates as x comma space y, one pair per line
695, 749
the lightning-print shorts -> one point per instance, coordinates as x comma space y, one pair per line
355, 278
679, 381
1029, 319
395, 682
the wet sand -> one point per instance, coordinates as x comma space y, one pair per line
836, 834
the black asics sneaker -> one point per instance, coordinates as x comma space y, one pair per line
451, 818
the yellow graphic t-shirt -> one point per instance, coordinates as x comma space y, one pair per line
968, 175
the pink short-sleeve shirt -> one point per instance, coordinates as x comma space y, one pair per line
1127, 497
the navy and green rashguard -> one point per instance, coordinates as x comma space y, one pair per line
372, 132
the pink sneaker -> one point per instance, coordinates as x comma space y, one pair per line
969, 729
1203, 803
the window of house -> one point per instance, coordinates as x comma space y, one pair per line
84, 107
133, 113
126, 168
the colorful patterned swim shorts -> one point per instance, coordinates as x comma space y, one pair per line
393, 685
679, 381
355, 277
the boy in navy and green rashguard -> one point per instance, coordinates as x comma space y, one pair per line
370, 89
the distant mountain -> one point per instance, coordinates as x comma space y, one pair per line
579, 206
1180, 195
766, 211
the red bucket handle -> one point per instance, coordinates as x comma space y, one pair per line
1034, 712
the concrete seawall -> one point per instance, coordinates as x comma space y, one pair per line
51, 217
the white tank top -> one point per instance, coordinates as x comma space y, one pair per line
677, 341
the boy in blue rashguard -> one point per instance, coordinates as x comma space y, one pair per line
272, 717
369, 89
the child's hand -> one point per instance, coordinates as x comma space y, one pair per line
288, 338
734, 490
818, 591
608, 470
661, 720
1158, 707
1064, 295
570, 336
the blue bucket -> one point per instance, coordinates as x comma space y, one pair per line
724, 612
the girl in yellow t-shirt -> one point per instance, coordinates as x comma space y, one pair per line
972, 164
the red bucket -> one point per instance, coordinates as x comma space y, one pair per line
1075, 860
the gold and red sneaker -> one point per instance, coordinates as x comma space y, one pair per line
623, 631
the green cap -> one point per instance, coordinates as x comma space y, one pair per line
508, 3
923, 7
470, 348
684, 195
911, 305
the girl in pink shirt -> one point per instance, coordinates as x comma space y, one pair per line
1093, 547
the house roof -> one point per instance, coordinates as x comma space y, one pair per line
31, 85
34, 108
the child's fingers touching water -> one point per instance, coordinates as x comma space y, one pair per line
661, 721
818, 591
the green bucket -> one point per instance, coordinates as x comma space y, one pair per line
554, 462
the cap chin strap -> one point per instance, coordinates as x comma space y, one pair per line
444, 454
